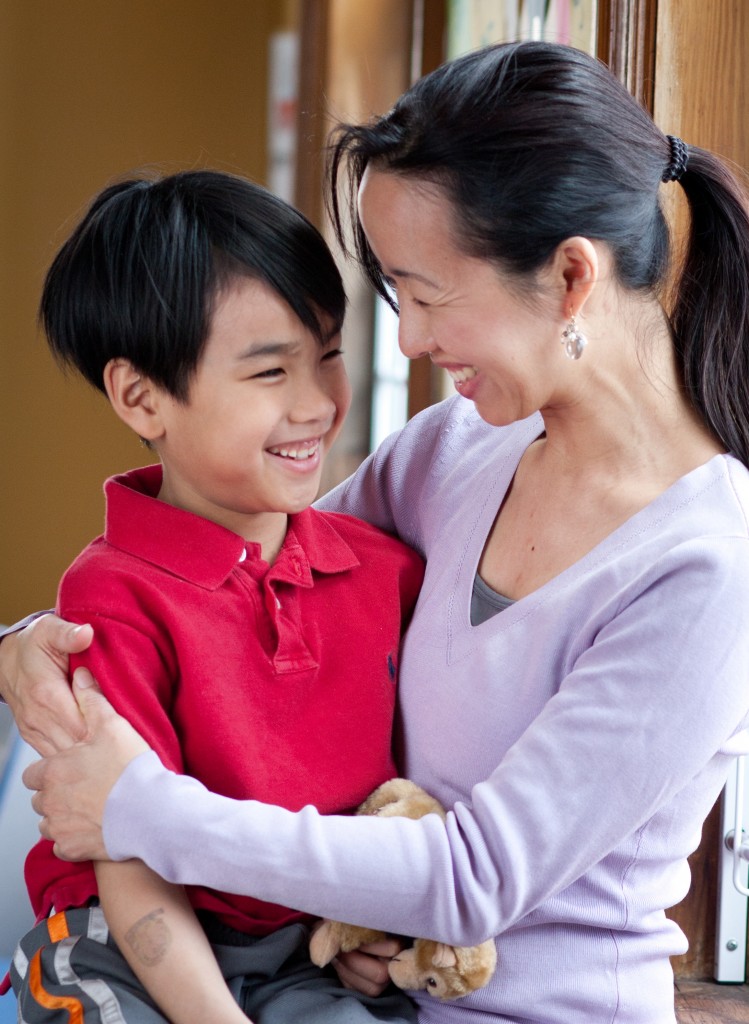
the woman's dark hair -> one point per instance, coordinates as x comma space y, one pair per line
139, 276
533, 143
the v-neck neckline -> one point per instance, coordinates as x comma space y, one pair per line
666, 503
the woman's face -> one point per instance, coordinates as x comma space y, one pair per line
501, 349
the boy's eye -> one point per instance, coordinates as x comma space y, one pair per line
334, 353
275, 372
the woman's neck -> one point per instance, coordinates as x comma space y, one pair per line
631, 415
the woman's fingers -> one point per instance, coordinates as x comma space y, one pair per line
71, 787
34, 681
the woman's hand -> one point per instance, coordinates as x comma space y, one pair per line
34, 682
72, 786
366, 969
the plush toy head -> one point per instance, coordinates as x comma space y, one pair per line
446, 972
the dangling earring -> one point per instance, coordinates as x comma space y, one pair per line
573, 339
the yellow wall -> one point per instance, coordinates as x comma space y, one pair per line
90, 90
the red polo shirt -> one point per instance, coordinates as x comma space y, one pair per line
273, 683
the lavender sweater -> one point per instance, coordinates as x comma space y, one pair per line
581, 737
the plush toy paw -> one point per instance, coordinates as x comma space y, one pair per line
401, 798
333, 937
446, 972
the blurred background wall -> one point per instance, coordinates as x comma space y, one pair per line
89, 91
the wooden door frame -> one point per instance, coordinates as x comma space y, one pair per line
626, 42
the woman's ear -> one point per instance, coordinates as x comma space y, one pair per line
575, 270
135, 398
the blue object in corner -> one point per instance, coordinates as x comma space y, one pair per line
8, 1005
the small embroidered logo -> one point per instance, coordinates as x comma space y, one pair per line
391, 668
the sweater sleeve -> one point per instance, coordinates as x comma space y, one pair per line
377, 491
660, 695
22, 623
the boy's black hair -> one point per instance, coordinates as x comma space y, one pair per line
139, 276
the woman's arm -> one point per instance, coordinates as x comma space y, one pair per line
75, 797
159, 935
662, 693
388, 488
34, 681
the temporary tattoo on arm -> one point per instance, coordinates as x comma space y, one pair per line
150, 938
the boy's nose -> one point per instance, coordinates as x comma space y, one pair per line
313, 405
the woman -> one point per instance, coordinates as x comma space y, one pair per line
574, 682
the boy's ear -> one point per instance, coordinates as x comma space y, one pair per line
135, 398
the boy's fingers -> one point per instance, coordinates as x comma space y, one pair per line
366, 974
386, 948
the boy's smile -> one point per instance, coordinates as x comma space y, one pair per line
264, 407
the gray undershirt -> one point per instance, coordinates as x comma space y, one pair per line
486, 602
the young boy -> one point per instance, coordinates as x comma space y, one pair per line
251, 640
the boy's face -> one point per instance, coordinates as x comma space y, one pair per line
264, 407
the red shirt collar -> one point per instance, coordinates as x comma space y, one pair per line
204, 553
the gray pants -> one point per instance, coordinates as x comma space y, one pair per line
68, 970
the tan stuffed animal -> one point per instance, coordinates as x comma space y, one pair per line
446, 972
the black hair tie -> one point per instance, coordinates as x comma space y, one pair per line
679, 158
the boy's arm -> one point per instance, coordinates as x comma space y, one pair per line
160, 937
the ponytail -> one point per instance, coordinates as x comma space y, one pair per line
710, 316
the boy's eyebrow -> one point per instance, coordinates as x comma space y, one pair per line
268, 348
280, 348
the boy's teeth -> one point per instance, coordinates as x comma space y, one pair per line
464, 374
297, 453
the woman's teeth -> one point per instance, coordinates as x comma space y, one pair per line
296, 453
464, 374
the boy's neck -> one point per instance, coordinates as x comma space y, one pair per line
271, 545
268, 529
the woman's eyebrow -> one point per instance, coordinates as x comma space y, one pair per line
408, 275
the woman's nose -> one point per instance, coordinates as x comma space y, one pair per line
413, 338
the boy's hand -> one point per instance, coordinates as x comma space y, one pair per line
73, 785
34, 682
366, 969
